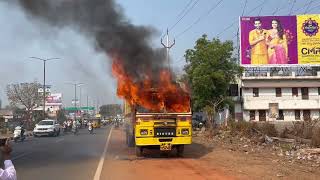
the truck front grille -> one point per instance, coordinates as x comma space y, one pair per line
164, 132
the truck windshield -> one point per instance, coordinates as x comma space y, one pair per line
46, 123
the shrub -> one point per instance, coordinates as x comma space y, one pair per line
315, 140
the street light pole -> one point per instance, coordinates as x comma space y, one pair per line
75, 95
44, 81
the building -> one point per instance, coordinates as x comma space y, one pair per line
278, 96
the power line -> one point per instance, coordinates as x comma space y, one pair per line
293, 3
311, 1
279, 9
244, 7
234, 22
198, 20
193, 5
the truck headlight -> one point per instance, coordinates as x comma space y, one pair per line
185, 131
51, 129
143, 131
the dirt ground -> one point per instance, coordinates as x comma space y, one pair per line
202, 160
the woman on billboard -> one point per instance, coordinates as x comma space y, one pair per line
277, 44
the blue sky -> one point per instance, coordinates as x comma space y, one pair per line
163, 14
21, 38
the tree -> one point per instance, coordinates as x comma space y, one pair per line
26, 95
110, 110
210, 70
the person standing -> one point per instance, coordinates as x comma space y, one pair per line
277, 44
257, 40
9, 172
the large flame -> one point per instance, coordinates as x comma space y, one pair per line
164, 95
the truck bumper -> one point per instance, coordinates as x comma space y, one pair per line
151, 141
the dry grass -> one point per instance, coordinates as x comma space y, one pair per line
250, 129
315, 139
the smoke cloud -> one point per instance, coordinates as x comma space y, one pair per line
113, 33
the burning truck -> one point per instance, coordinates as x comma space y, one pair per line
157, 114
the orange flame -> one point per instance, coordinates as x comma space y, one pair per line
165, 94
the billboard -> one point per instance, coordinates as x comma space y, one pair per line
55, 99
285, 40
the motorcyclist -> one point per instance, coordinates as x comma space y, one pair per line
22, 131
74, 126
90, 127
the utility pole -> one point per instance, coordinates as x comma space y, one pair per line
168, 47
75, 96
44, 81
87, 104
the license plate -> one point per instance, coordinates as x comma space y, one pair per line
165, 147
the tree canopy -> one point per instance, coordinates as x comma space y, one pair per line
24, 94
110, 110
210, 69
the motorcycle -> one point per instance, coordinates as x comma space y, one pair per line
75, 130
17, 135
90, 129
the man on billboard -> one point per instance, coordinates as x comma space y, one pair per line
257, 40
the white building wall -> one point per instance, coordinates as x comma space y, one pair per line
286, 101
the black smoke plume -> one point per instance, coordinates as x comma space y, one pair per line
113, 33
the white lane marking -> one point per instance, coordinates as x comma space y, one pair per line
20, 156
100, 165
59, 140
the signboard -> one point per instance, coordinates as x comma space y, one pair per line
55, 99
280, 40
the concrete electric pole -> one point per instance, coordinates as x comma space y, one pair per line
168, 47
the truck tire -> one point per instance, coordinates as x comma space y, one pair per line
180, 150
139, 151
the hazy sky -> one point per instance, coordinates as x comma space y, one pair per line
21, 38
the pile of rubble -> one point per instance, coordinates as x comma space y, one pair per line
292, 150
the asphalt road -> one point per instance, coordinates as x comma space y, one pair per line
66, 157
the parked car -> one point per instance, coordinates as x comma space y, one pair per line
47, 127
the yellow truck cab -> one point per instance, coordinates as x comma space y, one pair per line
165, 131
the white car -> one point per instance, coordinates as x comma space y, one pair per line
47, 127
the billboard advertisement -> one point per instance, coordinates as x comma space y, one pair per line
275, 40
55, 99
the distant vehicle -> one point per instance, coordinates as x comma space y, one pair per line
17, 134
197, 123
47, 127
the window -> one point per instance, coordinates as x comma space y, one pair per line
255, 92
233, 90
297, 114
295, 92
278, 92
305, 93
280, 115
262, 115
306, 115
252, 115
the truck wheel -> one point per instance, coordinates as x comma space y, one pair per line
180, 150
139, 151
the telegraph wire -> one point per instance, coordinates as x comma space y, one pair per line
293, 3
307, 8
237, 20
198, 20
193, 5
